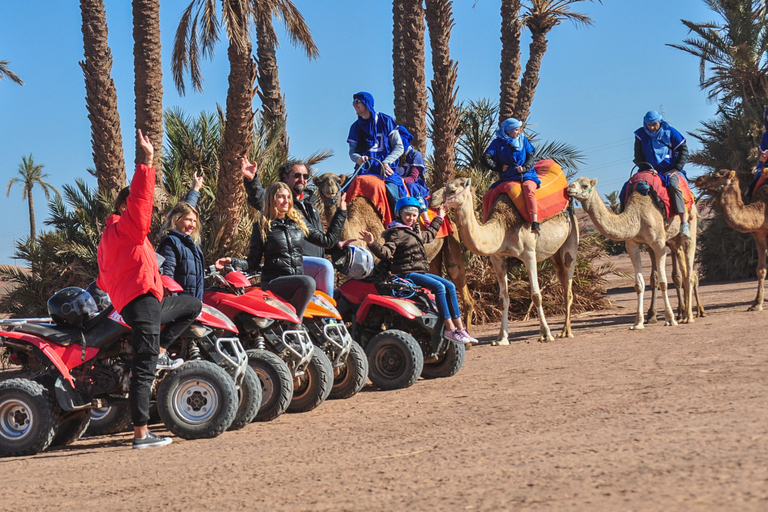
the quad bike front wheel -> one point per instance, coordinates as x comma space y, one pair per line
110, 419
350, 378
197, 400
312, 388
28, 417
448, 363
276, 383
249, 394
395, 360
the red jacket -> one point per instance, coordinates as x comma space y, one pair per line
127, 261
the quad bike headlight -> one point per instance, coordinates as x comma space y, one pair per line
262, 323
410, 307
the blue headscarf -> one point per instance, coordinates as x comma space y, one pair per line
405, 136
367, 126
660, 139
508, 126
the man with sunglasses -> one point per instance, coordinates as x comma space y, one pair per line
295, 174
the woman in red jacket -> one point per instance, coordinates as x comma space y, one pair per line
128, 272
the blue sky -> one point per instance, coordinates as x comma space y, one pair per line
596, 83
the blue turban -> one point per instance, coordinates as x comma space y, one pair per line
367, 126
508, 126
651, 117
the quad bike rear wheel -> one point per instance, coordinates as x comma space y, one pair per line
28, 417
395, 360
197, 400
448, 364
312, 388
109, 420
350, 378
249, 394
72, 426
276, 383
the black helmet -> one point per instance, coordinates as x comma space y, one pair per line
99, 296
71, 306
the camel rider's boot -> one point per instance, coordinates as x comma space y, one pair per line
685, 229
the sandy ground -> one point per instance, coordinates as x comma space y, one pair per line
668, 418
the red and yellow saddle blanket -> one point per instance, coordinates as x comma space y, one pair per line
551, 196
372, 188
652, 183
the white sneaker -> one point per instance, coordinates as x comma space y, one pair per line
456, 336
468, 336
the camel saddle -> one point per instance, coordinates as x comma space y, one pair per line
551, 196
372, 188
649, 182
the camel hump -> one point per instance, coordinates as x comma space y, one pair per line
551, 196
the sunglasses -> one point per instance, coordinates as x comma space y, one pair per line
300, 176
355, 102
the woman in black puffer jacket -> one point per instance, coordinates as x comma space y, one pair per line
278, 238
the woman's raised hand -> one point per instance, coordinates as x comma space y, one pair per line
343, 201
197, 181
367, 237
248, 168
222, 262
146, 145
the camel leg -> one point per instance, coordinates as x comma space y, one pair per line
699, 306
650, 317
633, 248
529, 260
500, 267
454, 261
686, 255
677, 279
565, 264
661, 262
761, 250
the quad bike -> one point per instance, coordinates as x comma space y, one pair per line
294, 376
398, 325
82, 362
329, 333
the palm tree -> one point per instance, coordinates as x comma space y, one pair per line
408, 69
511, 28
540, 17
101, 99
272, 101
31, 174
7, 73
148, 79
440, 21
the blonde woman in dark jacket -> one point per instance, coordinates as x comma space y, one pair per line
404, 248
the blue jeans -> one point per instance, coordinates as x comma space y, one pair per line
321, 270
443, 290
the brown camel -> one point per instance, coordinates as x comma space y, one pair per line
362, 216
507, 234
642, 222
751, 218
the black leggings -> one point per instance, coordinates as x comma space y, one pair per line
297, 290
145, 315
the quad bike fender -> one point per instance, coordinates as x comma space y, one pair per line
63, 358
397, 305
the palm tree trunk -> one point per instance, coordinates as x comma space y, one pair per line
536, 51
272, 101
511, 27
408, 69
236, 142
148, 79
32, 224
101, 100
445, 118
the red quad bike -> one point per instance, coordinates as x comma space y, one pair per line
398, 325
84, 363
294, 376
329, 334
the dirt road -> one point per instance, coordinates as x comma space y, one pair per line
668, 418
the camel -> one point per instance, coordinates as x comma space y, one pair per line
751, 218
642, 222
362, 216
507, 234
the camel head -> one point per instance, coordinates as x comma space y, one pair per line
457, 192
715, 181
582, 188
328, 186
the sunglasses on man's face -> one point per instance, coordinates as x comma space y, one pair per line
301, 176
355, 102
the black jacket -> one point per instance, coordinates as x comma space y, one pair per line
255, 193
404, 247
282, 250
